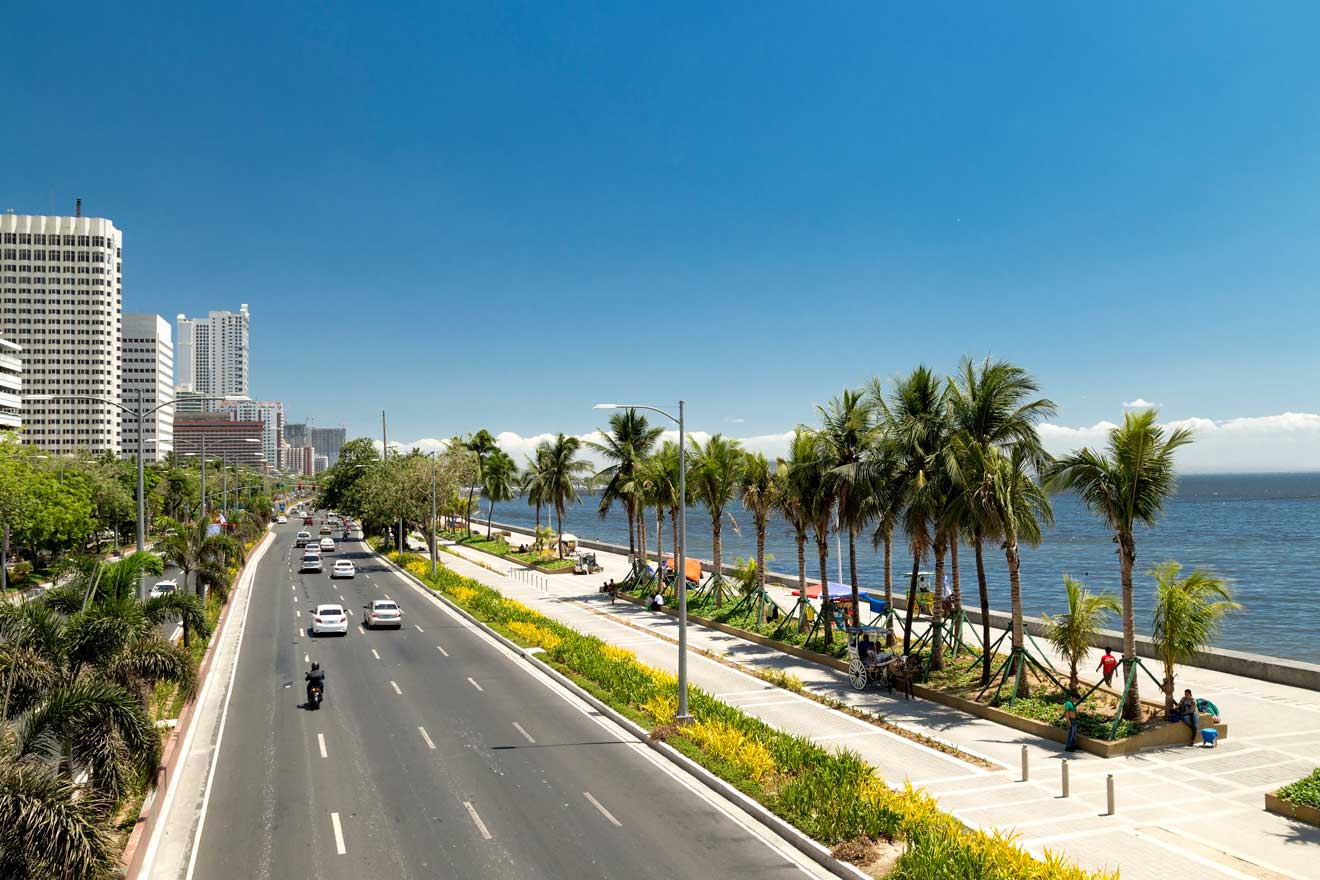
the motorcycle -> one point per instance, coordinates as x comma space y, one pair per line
314, 692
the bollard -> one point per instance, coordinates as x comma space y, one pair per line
1065, 777
1026, 770
1109, 793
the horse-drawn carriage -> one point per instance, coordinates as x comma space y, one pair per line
869, 663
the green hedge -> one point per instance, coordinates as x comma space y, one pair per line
833, 796
1305, 791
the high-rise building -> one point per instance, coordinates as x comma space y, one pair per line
232, 441
212, 354
296, 433
271, 415
11, 386
327, 441
147, 359
61, 297
321, 463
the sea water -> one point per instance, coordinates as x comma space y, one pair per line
1261, 532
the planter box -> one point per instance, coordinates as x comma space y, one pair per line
1159, 737
1300, 812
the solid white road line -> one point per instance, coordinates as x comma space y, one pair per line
481, 826
425, 736
396, 688
320, 741
474, 684
525, 734
604, 812
339, 835
419, 629
442, 650
374, 654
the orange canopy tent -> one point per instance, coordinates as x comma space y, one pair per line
693, 568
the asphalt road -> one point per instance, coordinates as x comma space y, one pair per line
434, 755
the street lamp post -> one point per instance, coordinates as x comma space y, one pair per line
681, 563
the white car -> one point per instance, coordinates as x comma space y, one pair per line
311, 561
329, 619
302, 539
383, 612
163, 588
343, 569
282, 520
327, 545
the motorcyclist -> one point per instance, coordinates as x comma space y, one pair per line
315, 677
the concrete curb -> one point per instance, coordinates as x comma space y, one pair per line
801, 841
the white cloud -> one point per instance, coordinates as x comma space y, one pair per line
1279, 443
733, 421
1141, 403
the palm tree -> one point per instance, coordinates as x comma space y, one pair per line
1126, 485
497, 481
1073, 632
482, 445
916, 426
627, 444
993, 405
715, 475
191, 550
758, 491
792, 503
847, 432
815, 486
531, 483
659, 480
882, 494
1188, 613
562, 470
50, 826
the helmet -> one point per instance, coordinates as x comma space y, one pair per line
315, 666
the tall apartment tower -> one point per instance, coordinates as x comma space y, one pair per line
271, 415
148, 376
61, 299
327, 441
212, 354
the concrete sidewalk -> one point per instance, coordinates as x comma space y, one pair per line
1180, 811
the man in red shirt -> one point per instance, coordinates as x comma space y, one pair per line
1108, 663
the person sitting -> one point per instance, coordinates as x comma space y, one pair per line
866, 649
1186, 712
657, 602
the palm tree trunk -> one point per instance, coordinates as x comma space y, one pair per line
490, 514
823, 551
1127, 558
641, 534
715, 525
660, 537
937, 608
1015, 599
538, 521
632, 531
559, 509
467, 514
984, 588
673, 527
889, 587
801, 538
852, 573
911, 604
760, 571
954, 540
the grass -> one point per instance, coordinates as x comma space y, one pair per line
961, 677
1304, 792
499, 547
833, 796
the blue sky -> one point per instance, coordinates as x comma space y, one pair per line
497, 214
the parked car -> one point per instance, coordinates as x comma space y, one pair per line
383, 612
163, 588
343, 568
311, 561
303, 539
329, 619
327, 545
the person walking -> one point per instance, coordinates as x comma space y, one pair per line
1108, 663
1070, 715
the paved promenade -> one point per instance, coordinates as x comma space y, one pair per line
1184, 812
